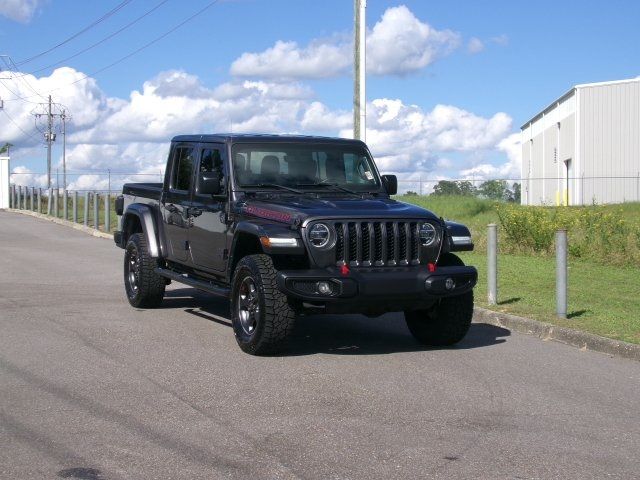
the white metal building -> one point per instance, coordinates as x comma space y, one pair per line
584, 147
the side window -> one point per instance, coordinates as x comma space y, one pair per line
211, 161
182, 169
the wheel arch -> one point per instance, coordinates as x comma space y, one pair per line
139, 218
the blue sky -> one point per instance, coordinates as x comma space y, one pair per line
448, 94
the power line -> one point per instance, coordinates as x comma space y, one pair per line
9, 63
155, 40
138, 50
29, 135
75, 35
103, 40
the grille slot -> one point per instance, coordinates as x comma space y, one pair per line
373, 243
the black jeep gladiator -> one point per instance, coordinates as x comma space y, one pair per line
291, 225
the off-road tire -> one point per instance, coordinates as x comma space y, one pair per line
146, 288
448, 321
274, 318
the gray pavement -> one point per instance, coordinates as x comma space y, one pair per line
91, 388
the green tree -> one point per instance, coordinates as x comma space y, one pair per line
450, 187
495, 190
516, 193
466, 188
446, 187
5, 148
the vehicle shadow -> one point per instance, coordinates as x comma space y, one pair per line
337, 334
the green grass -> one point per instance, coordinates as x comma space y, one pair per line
602, 299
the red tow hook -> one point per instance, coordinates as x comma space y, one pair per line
344, 270
431, 267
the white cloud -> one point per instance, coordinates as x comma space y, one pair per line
475, 45
288, 60
23, 176
20, 10
511, 169
398, 44
502, 40
405, 138
132, 135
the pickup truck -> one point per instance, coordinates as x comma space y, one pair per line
284, 226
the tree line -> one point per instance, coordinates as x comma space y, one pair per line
491, 189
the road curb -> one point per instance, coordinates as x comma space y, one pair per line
546, 331
60, 221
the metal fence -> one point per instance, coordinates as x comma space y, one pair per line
93, 209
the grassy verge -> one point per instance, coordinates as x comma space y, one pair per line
604, 300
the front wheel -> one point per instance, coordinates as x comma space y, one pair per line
261, 315
446, 323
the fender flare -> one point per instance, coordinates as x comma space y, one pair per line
147, 220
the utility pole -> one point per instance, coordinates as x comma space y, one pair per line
63, 117
48, 137
46, 109
359, 71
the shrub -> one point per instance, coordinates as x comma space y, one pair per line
594, 232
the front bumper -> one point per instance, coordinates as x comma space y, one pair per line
403, 285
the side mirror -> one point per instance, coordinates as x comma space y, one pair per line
210, 183
390, 184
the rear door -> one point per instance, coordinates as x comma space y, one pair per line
177, 198
208, 235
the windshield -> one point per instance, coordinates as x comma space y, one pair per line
304, 166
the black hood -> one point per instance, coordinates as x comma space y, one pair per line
289, 209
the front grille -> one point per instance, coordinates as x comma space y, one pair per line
373, 243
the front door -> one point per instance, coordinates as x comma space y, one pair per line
208, 235
176, 202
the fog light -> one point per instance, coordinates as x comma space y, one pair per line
449, 284
325, 288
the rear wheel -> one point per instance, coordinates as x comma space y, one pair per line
144, 287
261, 315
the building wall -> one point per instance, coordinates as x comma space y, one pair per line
547, 142
609, 142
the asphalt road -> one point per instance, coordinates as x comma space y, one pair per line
91, 388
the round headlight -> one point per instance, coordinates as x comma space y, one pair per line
427, 234
319, 235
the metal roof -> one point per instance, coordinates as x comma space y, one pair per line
571, 91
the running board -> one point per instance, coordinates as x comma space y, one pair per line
208, 287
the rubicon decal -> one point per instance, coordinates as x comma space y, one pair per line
270, 214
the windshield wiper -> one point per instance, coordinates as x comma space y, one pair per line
325, 184
275, 185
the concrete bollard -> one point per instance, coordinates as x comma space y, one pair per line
96, 211
65, 205
492, 264
56, 211
39, 200
31, 195
19, 199
561, 273
75, 206
107, 213
86, 209
49, 200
